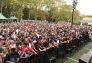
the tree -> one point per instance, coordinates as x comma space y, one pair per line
51, 10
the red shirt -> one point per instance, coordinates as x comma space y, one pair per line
23, 48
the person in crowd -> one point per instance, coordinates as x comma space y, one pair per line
26, 50
32, 37
12, 56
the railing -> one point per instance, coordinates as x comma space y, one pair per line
41, 57
50, 55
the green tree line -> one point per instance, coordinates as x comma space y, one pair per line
50, 10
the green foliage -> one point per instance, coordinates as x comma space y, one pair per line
77, 17
51, 10
26, 13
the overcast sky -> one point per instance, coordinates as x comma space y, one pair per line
84, 6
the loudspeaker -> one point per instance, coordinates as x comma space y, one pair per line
86, 58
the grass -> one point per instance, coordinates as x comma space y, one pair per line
74, 58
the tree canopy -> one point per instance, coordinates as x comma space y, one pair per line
50, 10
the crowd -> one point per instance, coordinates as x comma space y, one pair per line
25, 38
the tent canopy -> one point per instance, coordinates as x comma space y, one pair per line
2, 16
13, 18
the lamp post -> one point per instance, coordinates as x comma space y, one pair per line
74, 8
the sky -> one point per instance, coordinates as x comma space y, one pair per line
84, 6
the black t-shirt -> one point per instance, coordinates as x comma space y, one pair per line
12, 57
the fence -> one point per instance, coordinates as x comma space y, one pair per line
50, 55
